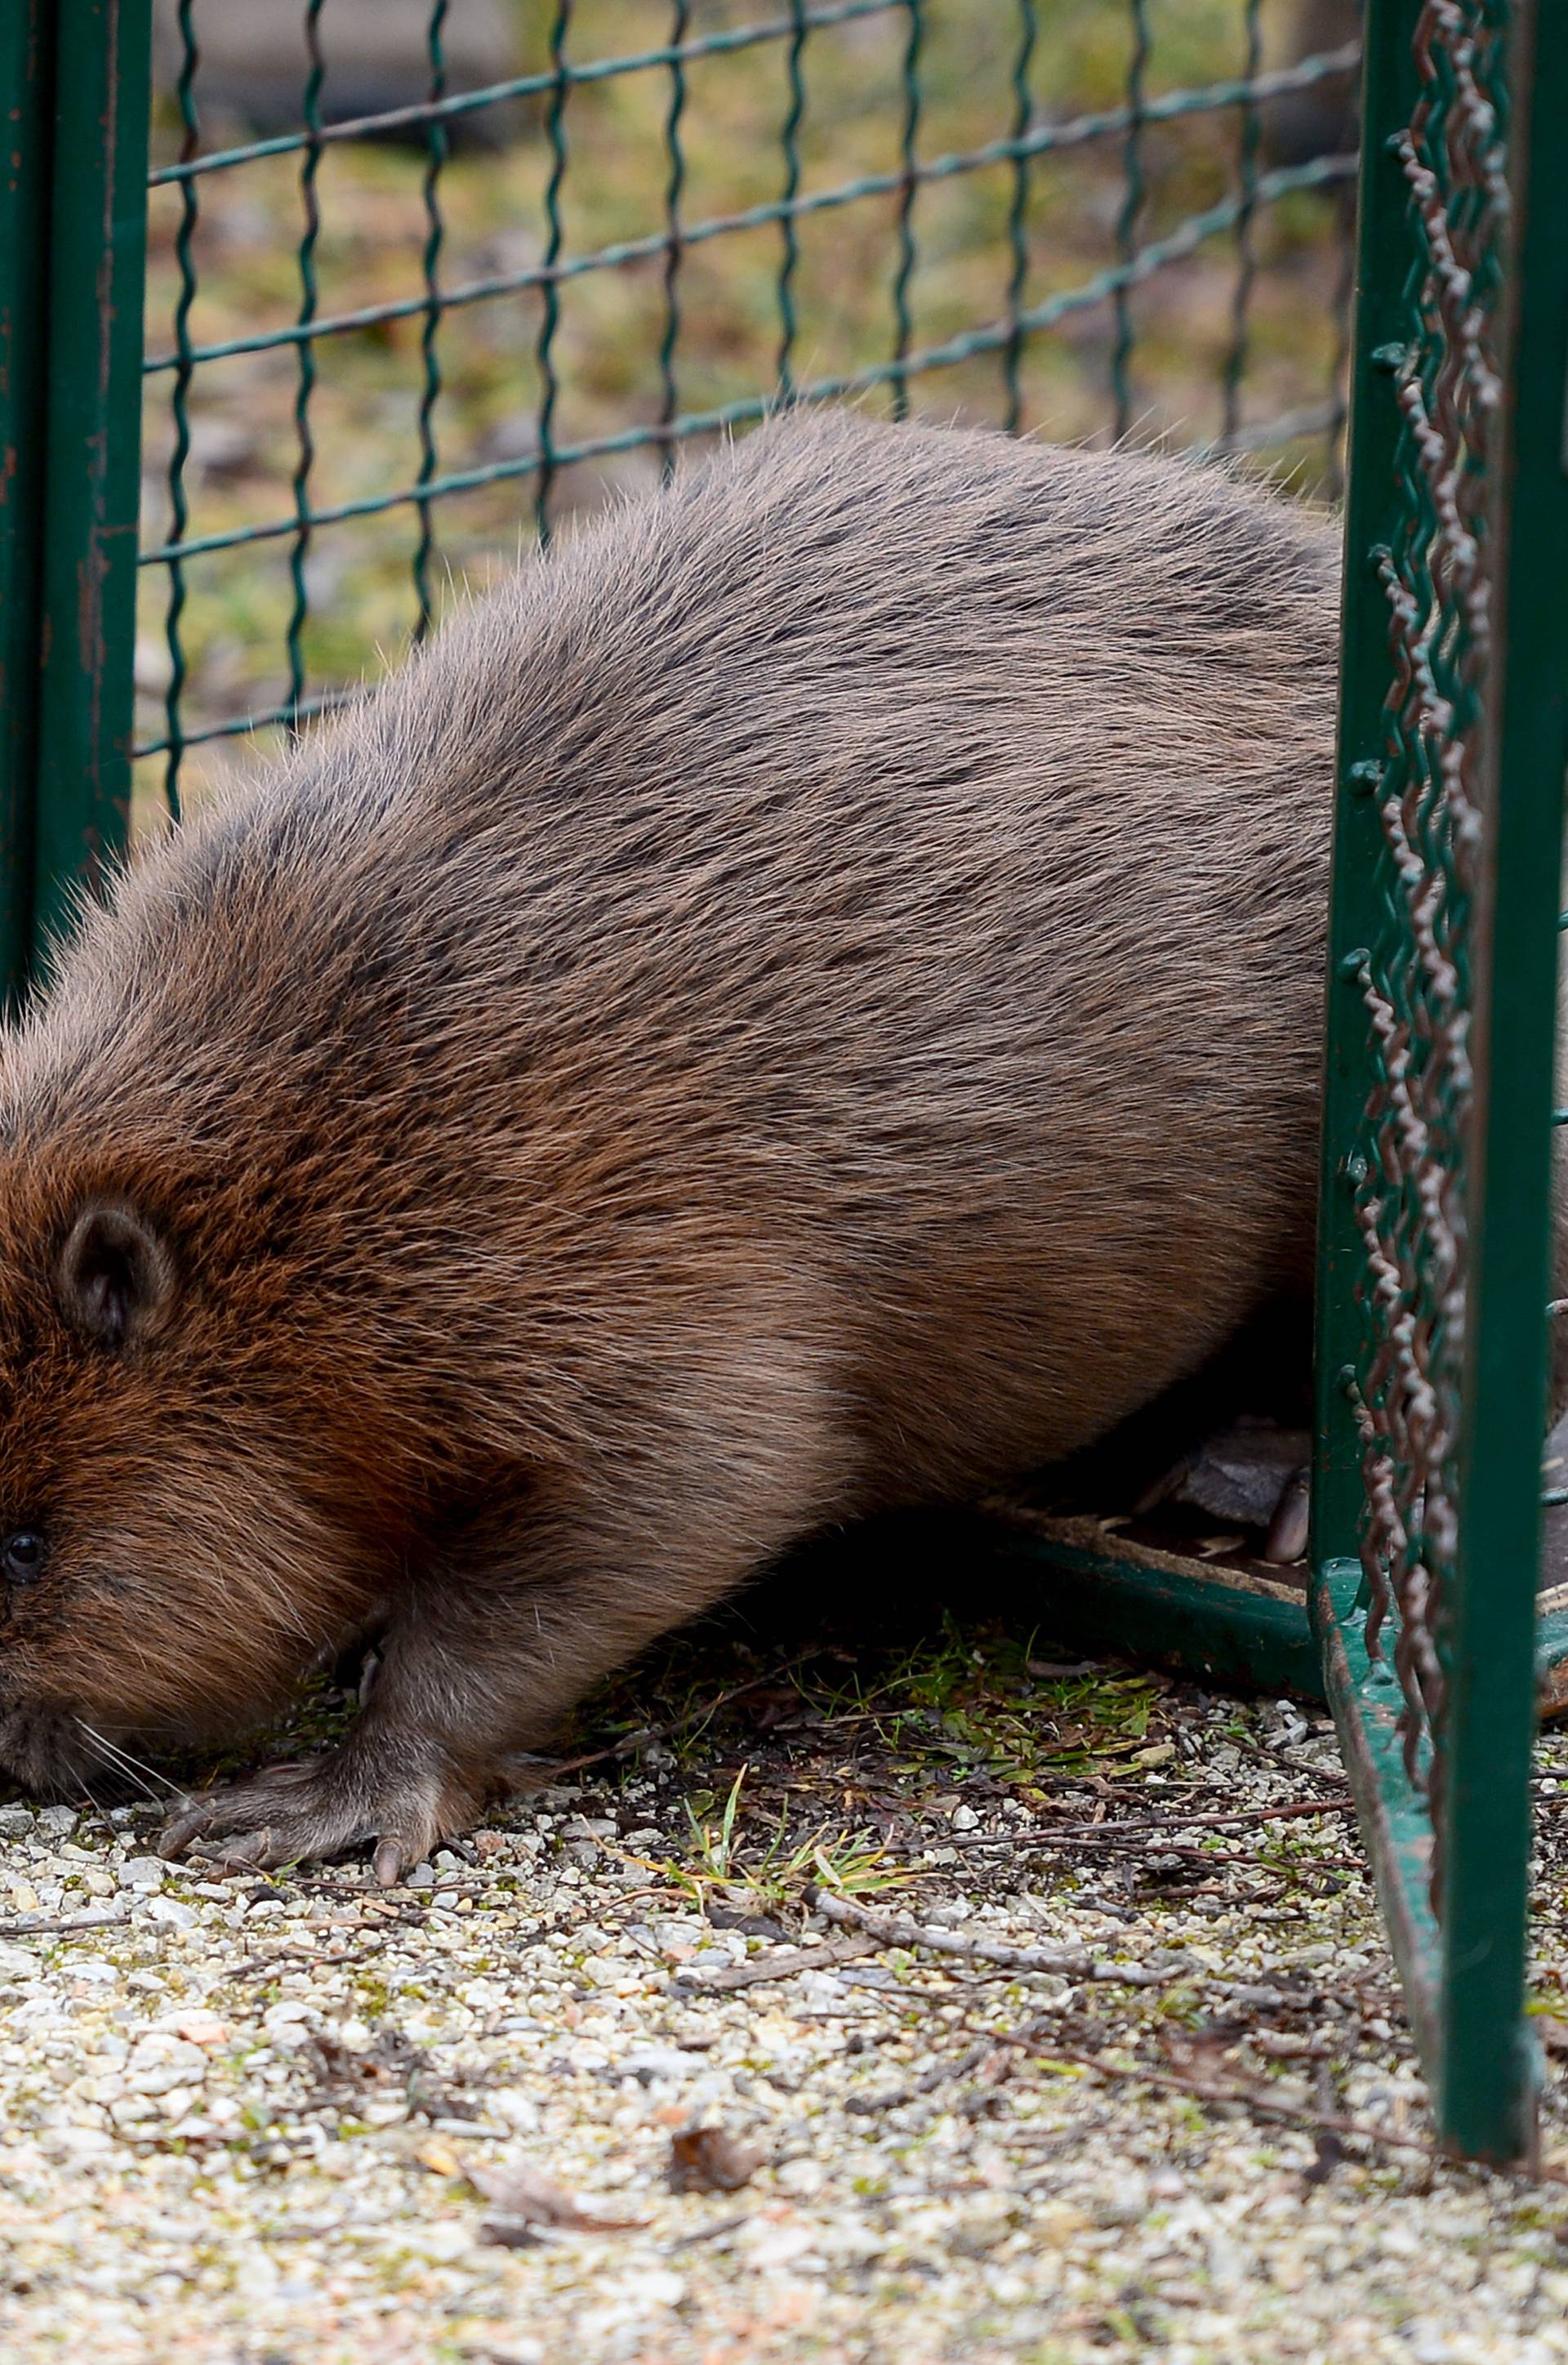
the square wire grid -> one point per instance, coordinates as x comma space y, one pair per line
1103, 226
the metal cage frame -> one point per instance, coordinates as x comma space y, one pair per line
1428, 1637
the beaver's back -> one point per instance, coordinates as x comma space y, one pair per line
892, 866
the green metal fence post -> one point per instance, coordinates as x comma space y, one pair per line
93, 393
26, 97
1383, 267
1361, 1692
1435, 1216
1484, 2103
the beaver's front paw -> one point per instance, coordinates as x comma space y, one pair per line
322, 1806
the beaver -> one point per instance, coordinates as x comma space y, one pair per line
806, 1000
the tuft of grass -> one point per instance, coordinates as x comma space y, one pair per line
851, 1863
715, 1851
962, 1700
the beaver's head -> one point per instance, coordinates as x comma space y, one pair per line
181, 1535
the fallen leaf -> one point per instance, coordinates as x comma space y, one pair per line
705, 2159
535, 2199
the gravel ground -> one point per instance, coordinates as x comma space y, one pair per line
619, 2078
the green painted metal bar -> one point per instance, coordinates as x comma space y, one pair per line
903, 270
1234, 372
550, 316
1097, 1602
1485, 2103
179, 408
1383, 255
790, 144
675, 190
439, 141
26, 112
305, 363
1364, 1698
1134, 194
1018, 215
1429, 725
97, 264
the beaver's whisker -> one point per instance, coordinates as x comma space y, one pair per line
121, 1761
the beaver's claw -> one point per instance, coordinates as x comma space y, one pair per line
319, 1806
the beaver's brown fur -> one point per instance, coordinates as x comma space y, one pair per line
808, 998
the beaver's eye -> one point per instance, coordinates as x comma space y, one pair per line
22, 1555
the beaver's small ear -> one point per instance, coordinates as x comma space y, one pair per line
116, 1277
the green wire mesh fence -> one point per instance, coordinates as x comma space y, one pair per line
372, 363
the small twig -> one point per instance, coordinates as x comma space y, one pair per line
253, 1966
893, 1930
940, 2073
708, 2233
41, 1925
1072, 1834
1108, 1839
782, 1964
1220, 1819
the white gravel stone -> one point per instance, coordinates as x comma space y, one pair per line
173, 1911
142, 1872
243, 2128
